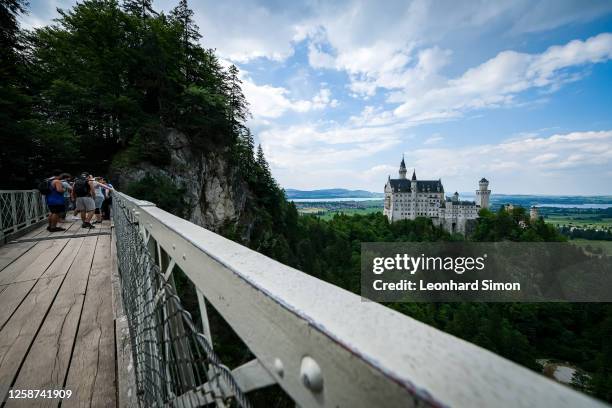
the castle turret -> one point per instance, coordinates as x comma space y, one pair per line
413, 195
456, 197
402, 169
483, 193
533, 213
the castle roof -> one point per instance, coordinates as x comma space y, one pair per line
484, 180
423, 186
402, 164
468, 203
413, 174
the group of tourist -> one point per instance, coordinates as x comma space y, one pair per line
85, 195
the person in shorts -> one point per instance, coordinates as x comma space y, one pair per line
55, 202
65, 179
98, 199
83, 193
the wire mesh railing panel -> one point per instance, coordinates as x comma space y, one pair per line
175, 365
20, 209
6, 211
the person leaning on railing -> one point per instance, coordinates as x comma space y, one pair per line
108, 201
100, 187
84, 195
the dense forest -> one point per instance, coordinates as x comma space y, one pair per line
99, 87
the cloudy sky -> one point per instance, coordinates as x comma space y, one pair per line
517, 91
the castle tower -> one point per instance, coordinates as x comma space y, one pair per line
413, 198
402, 169
483, 193
456, 197
533, 213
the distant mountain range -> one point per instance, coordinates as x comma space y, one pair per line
525, 200
331, 193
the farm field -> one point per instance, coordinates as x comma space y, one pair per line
579, 220
327, 209
594, 246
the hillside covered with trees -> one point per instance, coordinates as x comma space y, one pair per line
100, 88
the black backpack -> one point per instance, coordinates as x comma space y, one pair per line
81, 187
44, 187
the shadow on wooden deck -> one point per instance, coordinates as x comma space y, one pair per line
57, 327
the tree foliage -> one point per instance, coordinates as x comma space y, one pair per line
576, 333
105, 76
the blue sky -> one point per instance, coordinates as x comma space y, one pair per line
519, 92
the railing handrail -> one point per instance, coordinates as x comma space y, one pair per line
20, 191
303, 330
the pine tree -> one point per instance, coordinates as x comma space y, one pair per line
24, 134
238, 111
15, 104
249, 144
265, 175
261, 160
140, 8
246, 154
190, 36
184, 16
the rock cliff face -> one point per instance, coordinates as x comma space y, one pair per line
214, 193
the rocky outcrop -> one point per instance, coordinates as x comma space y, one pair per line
213, 190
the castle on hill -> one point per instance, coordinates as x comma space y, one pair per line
408, 199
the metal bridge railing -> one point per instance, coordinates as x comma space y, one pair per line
19, 209
324, 346
175, 364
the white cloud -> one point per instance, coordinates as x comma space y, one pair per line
242, 30
541, 16
301, 147
246, 29
41, 13
394, 47
307, 156
497, 81
268, 101
435, 139
516, 162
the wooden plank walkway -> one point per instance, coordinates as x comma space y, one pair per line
57, 329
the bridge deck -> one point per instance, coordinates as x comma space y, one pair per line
56, 316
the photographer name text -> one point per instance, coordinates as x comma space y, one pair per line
421, 285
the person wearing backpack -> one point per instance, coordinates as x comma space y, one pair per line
83, 192
55, 201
